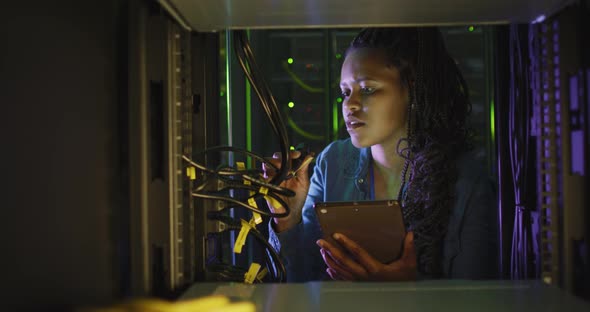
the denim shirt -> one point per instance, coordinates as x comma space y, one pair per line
470, 249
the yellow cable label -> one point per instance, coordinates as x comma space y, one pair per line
241, 167
252, 273
273, 202
191, 173
256, 217
241, 240
252, 202
261, 274
263, 190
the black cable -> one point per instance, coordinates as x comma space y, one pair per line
248, 180
252, 71
235, 179
257, 183
228, 149
519, 124
279, 273
247, 206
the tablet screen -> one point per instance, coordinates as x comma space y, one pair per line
377, 226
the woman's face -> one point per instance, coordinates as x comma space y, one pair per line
375, 103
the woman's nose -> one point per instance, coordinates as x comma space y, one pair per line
351, 104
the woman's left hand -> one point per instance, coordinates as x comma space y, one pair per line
359, 265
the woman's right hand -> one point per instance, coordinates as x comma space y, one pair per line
298, 183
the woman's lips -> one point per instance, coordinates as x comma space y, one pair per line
352, 125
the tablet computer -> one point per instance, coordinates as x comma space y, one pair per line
377, 226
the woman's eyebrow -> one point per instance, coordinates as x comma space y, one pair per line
361, 79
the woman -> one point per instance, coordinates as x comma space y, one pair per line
405, 107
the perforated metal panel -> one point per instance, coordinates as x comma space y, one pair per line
545, 62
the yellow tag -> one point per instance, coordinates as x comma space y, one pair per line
252, 273
256, 217
263, 190
273, 202
241, 167
241, 240
252, 202
191, 173
261, 274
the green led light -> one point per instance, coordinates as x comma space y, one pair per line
471, 28
221, 93
339, 99
292, 148
492, 121
338, 56
228, 86
291, 104
290, 60
335, 114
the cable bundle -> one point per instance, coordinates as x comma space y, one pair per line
249, 180
518, 136
259, 85
273, 261
235, 179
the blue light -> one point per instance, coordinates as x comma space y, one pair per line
539, 19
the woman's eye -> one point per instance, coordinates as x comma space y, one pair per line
367, 90
345, 93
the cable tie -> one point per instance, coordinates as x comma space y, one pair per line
252, 202
241, 240
273, 202
191, 172
256, 219
241, 167
261, 274
252, 273
263, 190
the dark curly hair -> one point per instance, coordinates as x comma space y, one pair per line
437, 133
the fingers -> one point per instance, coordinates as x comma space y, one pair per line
371, 264
302, 170
268, 170
292, 154
344, 262
334, 275
335, 270
405, 268
409, 253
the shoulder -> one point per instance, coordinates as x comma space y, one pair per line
471, 169
474, 183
